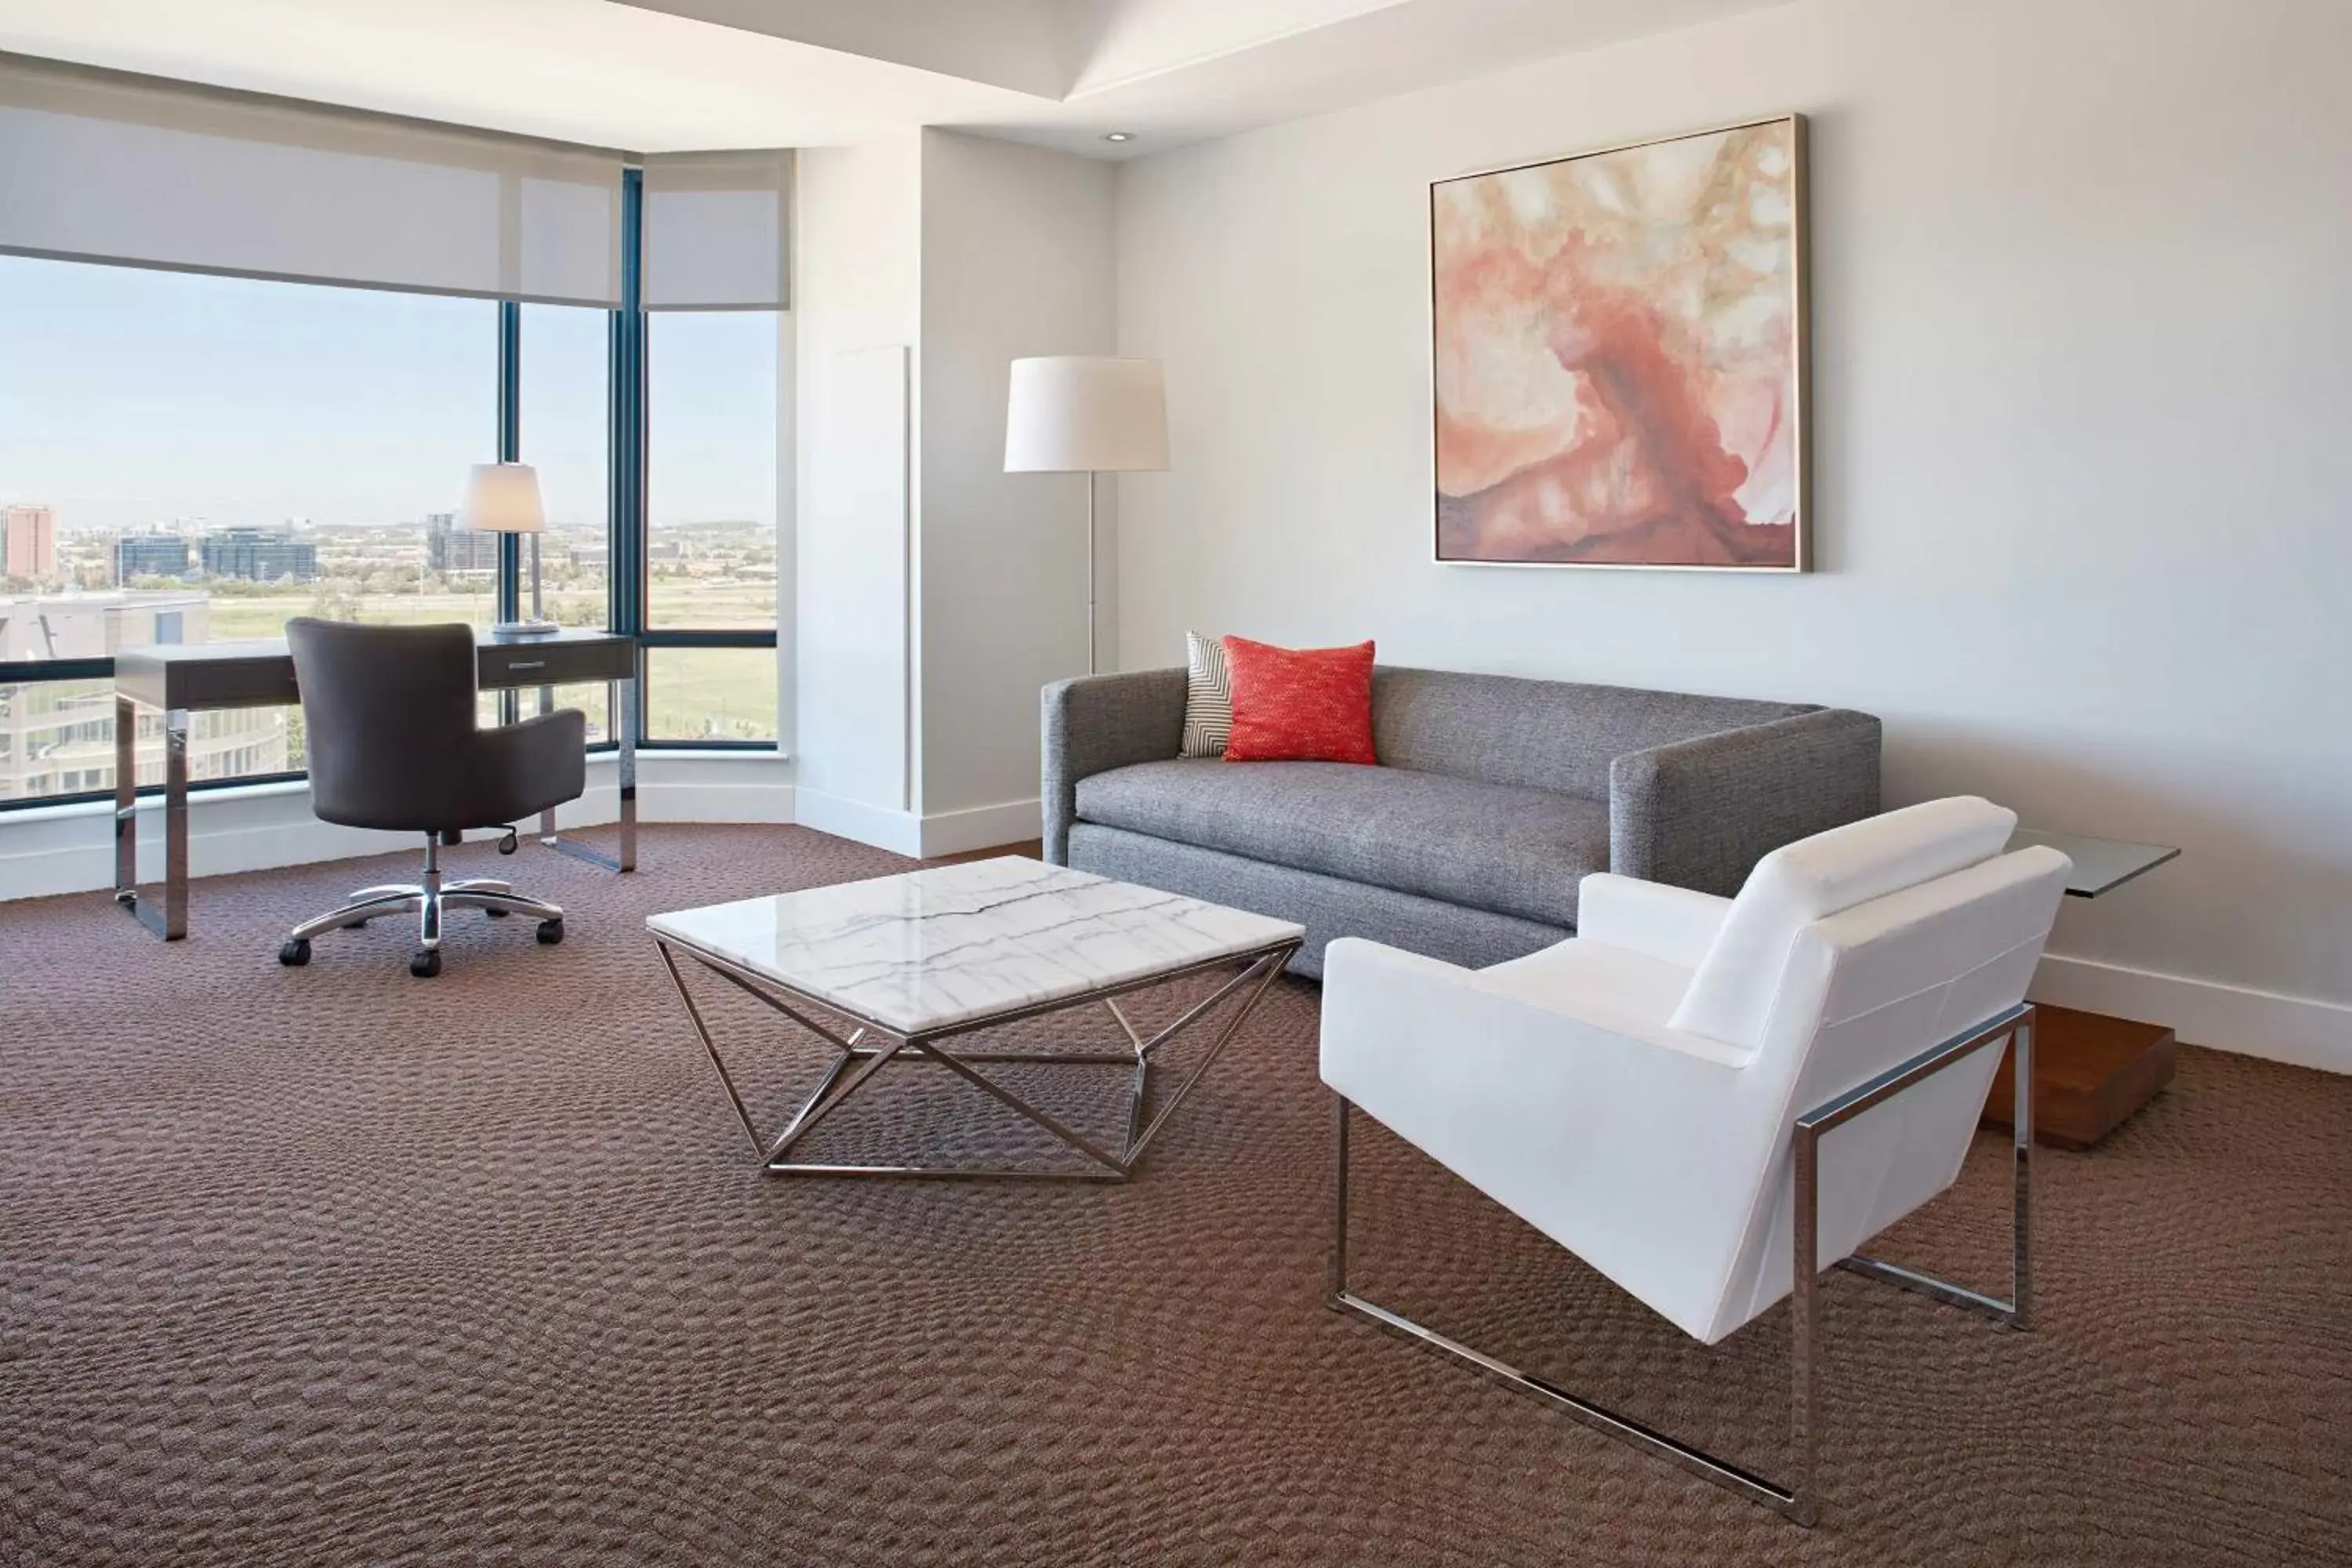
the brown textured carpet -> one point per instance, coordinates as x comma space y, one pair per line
334, 1266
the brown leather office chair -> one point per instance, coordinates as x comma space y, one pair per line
388, 721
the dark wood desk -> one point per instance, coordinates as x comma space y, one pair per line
206, 676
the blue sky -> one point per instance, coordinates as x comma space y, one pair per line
129, 398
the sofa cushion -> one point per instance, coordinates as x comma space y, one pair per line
1299, 704
1488, 847
1539, 734
1208, 697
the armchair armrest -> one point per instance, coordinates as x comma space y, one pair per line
1673, 925
1097, 722
1700, 813
531, 766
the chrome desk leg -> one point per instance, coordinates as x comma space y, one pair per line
546, 817
126, 803
171, 922
175, 825
627, 731
624, 706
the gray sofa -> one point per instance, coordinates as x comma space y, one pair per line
1493, 797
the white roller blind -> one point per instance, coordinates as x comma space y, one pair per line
716, 231
97, 165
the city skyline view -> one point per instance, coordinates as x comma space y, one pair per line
138, 403
98, 422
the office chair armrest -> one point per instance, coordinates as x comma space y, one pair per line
536, 764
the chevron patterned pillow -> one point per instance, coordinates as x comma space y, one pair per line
1208, 697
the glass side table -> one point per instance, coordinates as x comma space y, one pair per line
2089, 1071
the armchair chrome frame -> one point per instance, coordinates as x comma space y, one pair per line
1797, 1500
1255, 972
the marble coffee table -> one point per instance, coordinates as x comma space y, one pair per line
900, 968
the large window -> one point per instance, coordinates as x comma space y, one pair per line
193, 458
566, 435
710, 535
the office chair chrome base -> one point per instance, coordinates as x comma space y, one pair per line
426, 901
1797, 1501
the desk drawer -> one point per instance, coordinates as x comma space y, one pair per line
555, 663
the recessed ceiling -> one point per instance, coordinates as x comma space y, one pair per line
672, 75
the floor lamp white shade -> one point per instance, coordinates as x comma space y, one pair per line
503, 497
1086, 414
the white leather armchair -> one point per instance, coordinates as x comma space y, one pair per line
1655, 1095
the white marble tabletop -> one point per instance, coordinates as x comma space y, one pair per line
929, 949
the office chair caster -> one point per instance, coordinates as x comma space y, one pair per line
425, 963
294, 955
551, 931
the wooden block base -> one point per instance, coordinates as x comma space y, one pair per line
2090, 1072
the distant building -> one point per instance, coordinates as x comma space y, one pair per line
57, 737
150, 555
259, 557
28, 543
94, 625
448, 548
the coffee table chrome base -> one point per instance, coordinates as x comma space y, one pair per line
868, 1047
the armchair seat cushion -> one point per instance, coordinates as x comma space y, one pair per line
1502, 848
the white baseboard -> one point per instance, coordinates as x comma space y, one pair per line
2303, 1030
900, 831
732, 789
71, 848
905, 833
982, 826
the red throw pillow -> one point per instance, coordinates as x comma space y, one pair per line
1299, 704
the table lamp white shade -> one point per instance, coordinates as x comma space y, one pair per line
1086, 414
503, 497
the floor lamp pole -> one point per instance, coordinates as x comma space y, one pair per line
1093, 667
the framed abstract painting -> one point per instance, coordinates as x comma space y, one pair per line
1618, 353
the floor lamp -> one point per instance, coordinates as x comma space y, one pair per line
1078, 413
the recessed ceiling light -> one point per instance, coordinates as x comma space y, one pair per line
1118, 136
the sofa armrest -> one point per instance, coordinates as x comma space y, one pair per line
1700, 813
1673, 925
1095, 723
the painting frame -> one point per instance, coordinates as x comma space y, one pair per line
1800, 349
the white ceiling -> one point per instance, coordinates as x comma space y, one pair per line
670, 75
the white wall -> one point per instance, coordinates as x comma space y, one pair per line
856, 270
2083, 485
1017, 259
936, 598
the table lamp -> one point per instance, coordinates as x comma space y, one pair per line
503, 497
1080, 414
